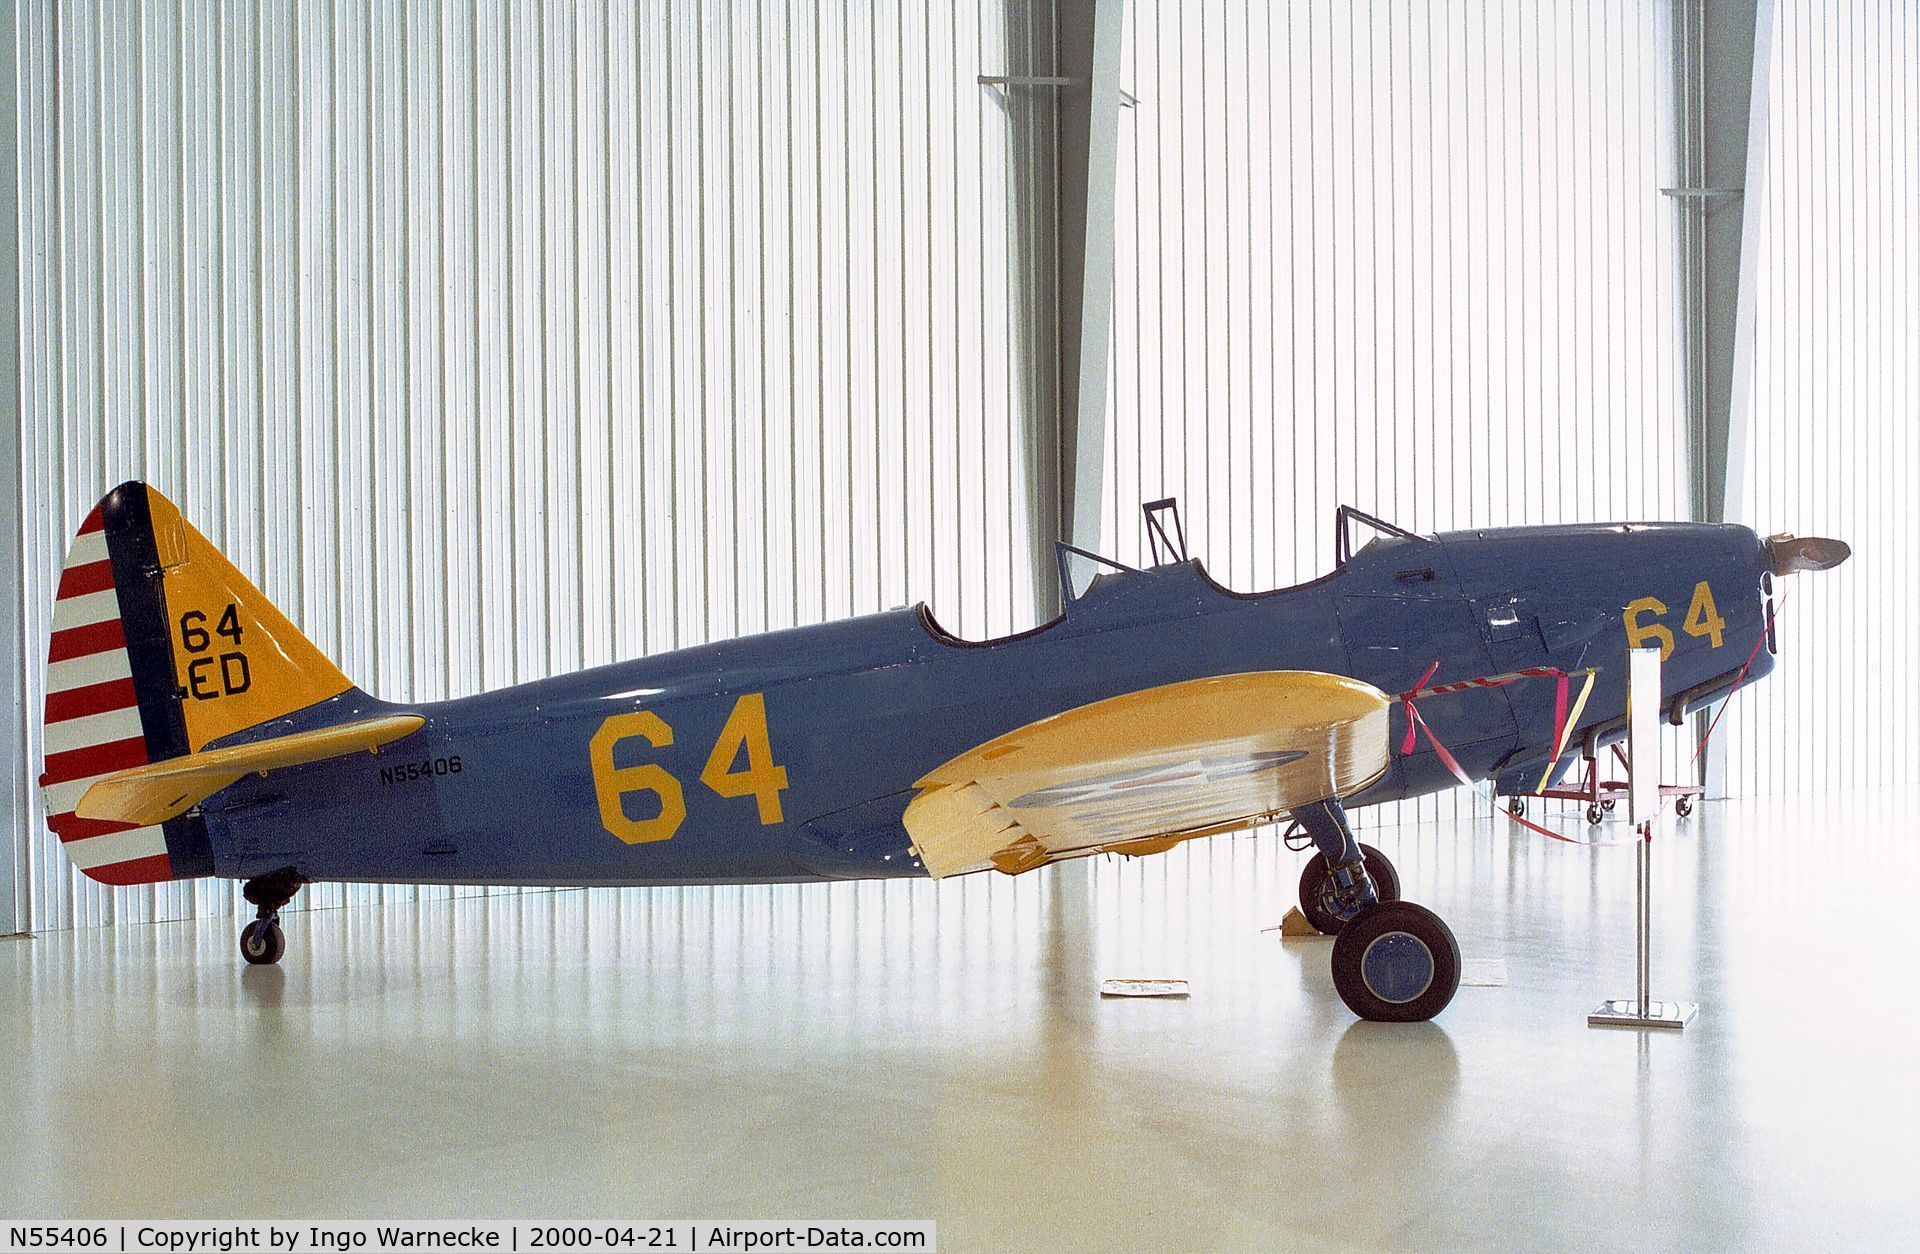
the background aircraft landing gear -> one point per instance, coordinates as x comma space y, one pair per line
1392, 960
1319, 900
261, 941
1397, 963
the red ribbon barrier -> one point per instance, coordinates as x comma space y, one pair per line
1483, 789
1484, 681
1559, 677
1407, 741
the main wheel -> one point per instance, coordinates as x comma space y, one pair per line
262, 942
1318, 901
1517, 806
1593, 815
1396, 963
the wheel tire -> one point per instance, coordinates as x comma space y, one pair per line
1607, 806
1594, 815
1316, 888
1683, 806
1517, 806
1396, 963
262, 943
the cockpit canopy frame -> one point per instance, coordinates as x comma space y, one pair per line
1343, 519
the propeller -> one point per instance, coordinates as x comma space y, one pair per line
1790, 554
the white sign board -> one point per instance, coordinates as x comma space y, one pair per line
1643, 735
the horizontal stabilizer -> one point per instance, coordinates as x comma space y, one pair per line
161, 790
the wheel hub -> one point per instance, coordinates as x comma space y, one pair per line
1397, 967
1330, 902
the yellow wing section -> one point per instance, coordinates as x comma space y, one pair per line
161, 790
1141, 772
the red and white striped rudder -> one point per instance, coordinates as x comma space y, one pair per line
93, 718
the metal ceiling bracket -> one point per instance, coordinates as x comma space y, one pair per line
1706, 200
1028, 80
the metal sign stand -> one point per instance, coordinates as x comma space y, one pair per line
1641, 1011
1643, 733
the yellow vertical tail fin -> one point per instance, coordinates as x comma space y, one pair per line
159, 648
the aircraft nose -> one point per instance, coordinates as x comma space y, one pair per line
1789, 554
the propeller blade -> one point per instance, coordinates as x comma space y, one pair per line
1791, 554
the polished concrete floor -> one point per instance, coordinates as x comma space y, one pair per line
921, 1050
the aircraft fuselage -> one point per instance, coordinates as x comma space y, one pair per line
791, 756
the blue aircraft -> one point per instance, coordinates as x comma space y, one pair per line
191, 730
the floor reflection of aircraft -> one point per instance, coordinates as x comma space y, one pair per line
191, 730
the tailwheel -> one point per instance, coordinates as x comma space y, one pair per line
1396, 963
1319, 898
262, 943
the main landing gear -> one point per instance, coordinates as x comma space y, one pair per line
1393, 961
262, 942
1320, 898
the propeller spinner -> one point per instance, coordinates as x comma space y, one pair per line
1792, 554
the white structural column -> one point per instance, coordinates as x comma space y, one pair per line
1737, 451
1736, 448
12, 678
1089, 139
1713, 62
1714, 102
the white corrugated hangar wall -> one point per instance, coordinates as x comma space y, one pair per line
499, 339
494, 340
1409, 259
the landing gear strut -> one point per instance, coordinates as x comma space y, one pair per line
1320, 899
261, 941
1392, 960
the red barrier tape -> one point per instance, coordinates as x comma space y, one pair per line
1407, 741
1491, 681
1559, 677
1483, 789
1485, 681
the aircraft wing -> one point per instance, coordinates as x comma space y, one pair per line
160, 790
1139, 773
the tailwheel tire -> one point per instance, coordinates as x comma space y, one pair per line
262, 942
1683, 806
1317, 899
1396, 963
